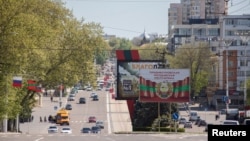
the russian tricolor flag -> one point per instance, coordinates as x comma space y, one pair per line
17, 81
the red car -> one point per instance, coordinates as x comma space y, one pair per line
92, 119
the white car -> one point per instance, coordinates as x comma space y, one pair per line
89, 89
71, 97
100, 124
92, 95
67, 130
52, 129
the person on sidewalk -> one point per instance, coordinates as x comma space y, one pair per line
45, 119
41, 120
51, 98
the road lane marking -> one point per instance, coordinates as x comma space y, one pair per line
39, 139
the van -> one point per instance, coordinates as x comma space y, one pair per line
193, 116
230, 122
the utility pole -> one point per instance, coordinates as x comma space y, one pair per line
163, 65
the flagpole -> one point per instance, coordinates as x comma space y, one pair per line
5, 120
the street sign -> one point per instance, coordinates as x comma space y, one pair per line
175, 116
225, 98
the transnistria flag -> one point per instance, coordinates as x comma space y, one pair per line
17, 81
32, 85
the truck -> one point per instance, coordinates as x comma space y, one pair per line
62, 117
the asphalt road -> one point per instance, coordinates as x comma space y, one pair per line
114, 114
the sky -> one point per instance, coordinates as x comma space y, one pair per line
130, 18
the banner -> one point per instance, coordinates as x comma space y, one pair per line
164, 85
17, 81
128, 77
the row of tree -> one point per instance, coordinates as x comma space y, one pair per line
43, 41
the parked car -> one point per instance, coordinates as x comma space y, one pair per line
92, 119
52, 129
86, 130
68, 107
100, 124
67, 130
182, 121
82, 100
188, 124
96, 129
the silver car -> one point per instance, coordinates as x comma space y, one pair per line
71, 97
53, 129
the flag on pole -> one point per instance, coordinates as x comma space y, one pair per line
32, 85
17, 81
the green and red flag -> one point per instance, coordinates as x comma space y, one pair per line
32, 85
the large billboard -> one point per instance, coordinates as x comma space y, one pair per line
128, 77
164, 85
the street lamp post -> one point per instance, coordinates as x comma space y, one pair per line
227, 43
245, 37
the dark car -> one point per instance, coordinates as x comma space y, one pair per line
96, 129
82, 100
95, 98
197, 121
202, 123
86, 130
68, 107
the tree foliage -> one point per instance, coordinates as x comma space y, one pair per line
41, 40
197, 58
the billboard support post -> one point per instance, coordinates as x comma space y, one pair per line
159, 116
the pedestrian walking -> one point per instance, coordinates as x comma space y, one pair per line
41, 120
51, 98
45, 119
32, 118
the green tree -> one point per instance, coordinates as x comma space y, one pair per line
41, 40
197, 58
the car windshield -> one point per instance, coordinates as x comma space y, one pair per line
66, 129
95, 128
52, 127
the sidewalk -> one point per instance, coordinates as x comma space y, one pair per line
47, 108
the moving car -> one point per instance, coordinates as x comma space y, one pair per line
96, 129
95, 98
52, 129
82, 100
71, 97
188, 124
202, 123
86, 130
92, 95
67, 130
68, 107
92, 119
100, 124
